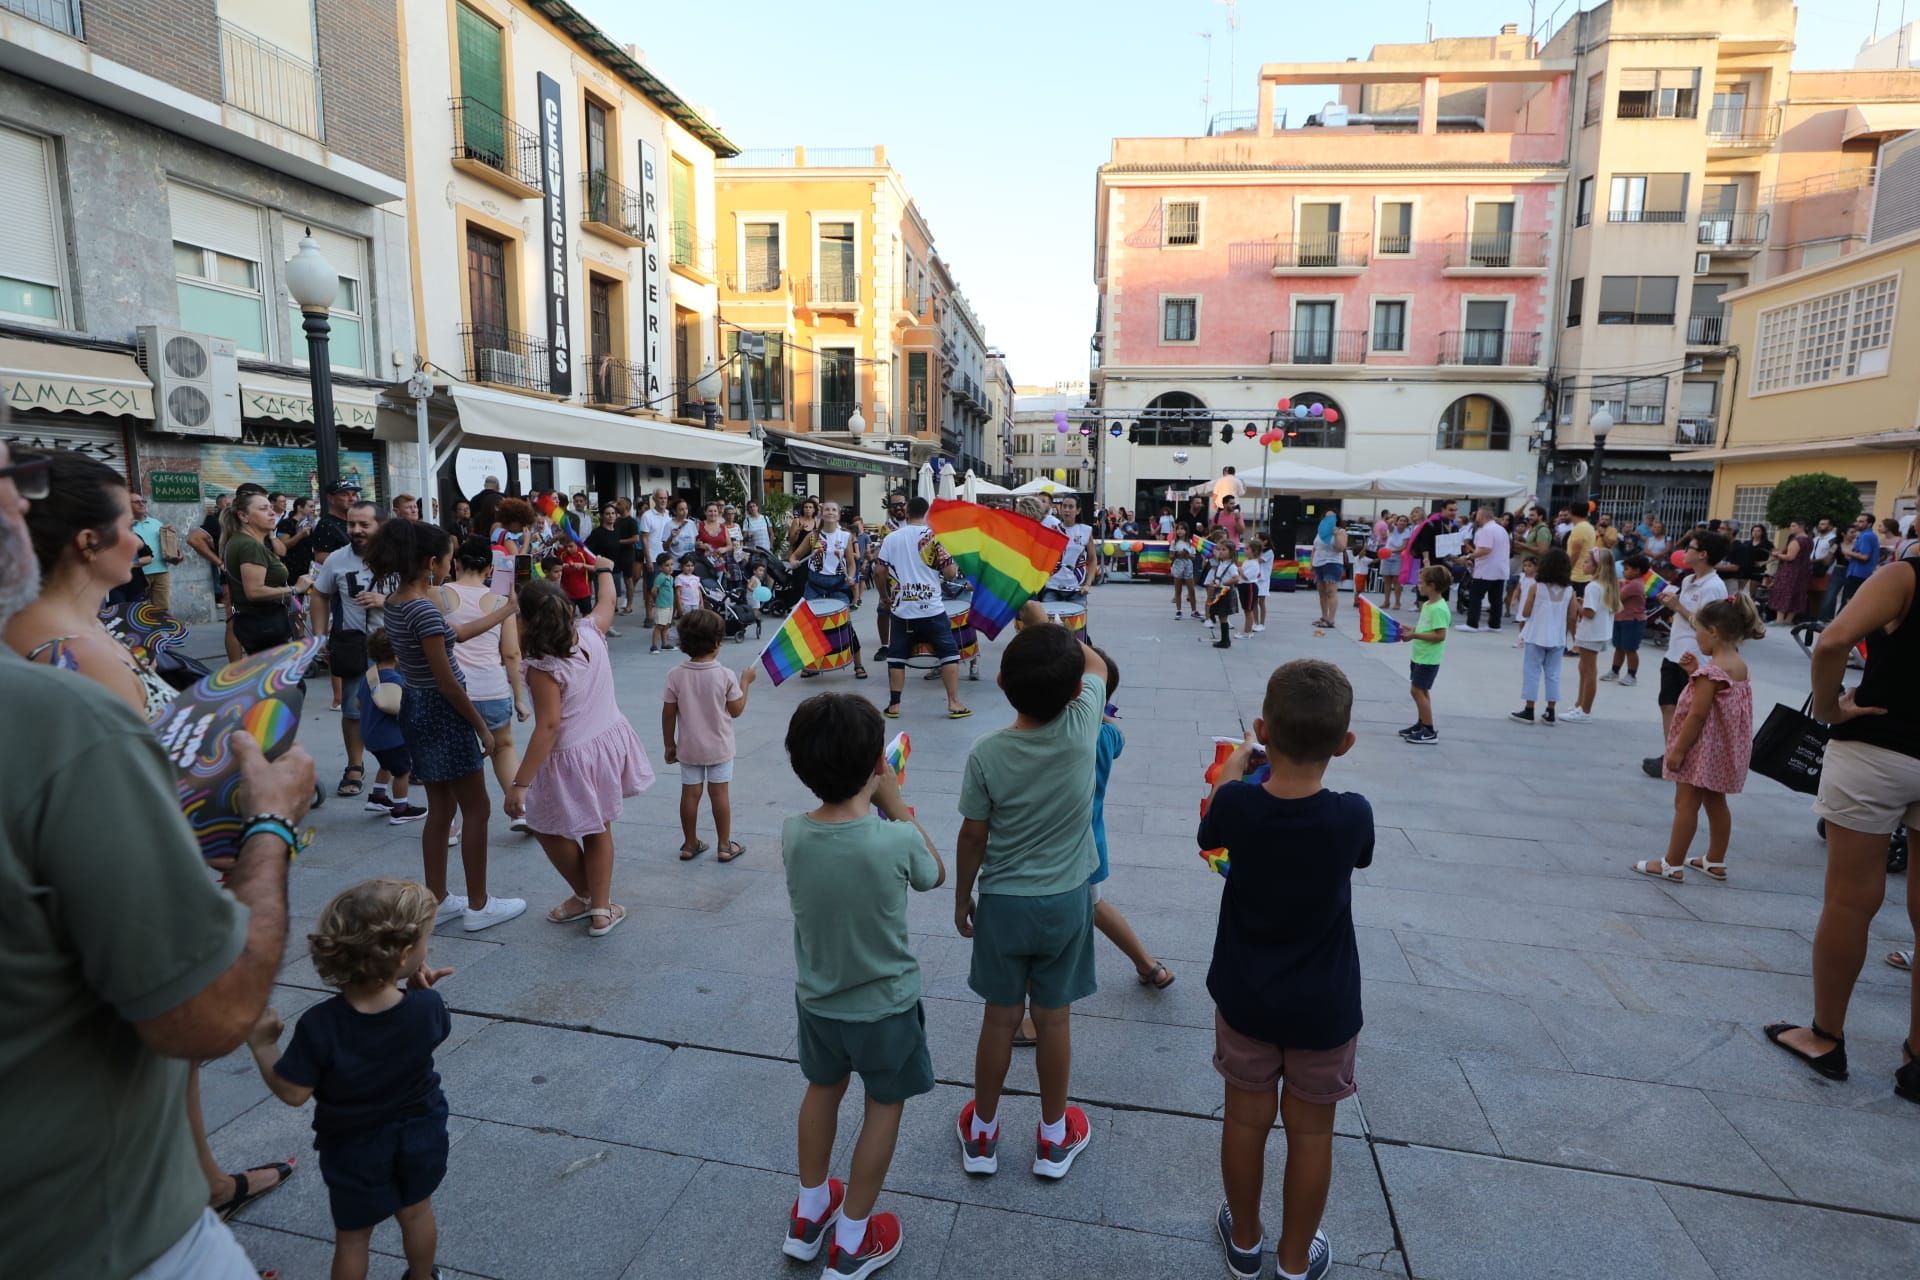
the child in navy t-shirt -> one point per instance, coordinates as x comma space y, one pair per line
365, 1057
1285, 977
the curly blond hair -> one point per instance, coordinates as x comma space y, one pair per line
366, 930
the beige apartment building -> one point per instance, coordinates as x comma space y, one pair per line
1700, 165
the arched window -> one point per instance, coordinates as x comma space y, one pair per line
1314, 431
1475, 422
1172, 418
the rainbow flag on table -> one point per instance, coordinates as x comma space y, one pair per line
1258, 773
1286, 574
798, 644
1654, 584
1376, 625
1154, 558
1006, 557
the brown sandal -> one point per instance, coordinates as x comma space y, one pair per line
729, 851
688, 852
1152, 978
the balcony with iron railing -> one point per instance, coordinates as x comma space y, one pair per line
690, 254
1742, 128
61, 15
1506, 348
836, 291
1331, 253
1317, 346
833, 415
500, 357
1739, 231
264, 80
1708, 330
494, 149
1473, 253
617, 384
1614, 315
697, 400
759, 280
1667, 104
611, 210
1698, 432
1642, 214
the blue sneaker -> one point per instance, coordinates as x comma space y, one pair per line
1240, 1262
1319, 1258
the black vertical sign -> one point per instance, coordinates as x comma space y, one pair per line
554, 237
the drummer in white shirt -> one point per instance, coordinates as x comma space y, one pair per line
826, 555
1069, 581
908, 573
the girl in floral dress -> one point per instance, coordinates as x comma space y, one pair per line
1710, 741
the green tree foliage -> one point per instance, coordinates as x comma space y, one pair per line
1812, 497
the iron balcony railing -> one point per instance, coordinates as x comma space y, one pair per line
1737, 229
1243, 121
484, 136
1646, 215
1664, 104
605, 201
834, 413
504, 358
1694, 431
838, 289
619, 384
1507, 347
62, 15
1497, 250
1318, 346
689, 250
1395, 242
759, 281
1611, 316
691, 400
1707, 330
1742, 126
264, 80
759, 158
1321, 251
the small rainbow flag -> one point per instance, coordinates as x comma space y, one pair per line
1654, 584
1217, 859
1006, 556
798, 644
1376, 626
898, 752
557, 513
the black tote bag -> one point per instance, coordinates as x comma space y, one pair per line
1790, 746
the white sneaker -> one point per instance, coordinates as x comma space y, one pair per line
450, 906
1469, 627
1576, 716
1259, 626
1610, 677
497, 911
1628, 680
453, 835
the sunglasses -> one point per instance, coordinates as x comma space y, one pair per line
32, 478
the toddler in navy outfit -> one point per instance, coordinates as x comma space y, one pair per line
366, 1058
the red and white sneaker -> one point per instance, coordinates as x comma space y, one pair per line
806, 1235
880, 1246
977, 1155
1052, 1160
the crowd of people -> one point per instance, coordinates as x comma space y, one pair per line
441, 639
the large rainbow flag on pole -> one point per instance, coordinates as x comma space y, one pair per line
1006, 556
1376, 625
799, 643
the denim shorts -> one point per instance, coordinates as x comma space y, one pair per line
1628, 635
494, 711
1328, 573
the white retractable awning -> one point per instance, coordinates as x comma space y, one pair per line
262, 395
54, 378
485, 419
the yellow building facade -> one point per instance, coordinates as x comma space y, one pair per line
1825, 380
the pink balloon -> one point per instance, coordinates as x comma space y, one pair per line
1285, 404
1679, 559
1333, 415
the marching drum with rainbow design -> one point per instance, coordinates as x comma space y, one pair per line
837, 621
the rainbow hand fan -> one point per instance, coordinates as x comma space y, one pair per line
1376, 625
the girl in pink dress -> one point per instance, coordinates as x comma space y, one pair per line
584, 758
1710, 741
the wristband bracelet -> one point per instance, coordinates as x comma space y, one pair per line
273, 824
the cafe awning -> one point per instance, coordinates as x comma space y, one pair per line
800, 454
468, 417
53, 378
262, 395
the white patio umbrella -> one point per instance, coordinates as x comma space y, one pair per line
928, 489
1293, 477
1041, 485
946, 482
978, 489
969, 489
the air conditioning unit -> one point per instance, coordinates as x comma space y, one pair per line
196, 382
508, 368
1702, 264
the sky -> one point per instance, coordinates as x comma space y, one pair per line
998, 112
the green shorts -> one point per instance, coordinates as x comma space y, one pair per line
890, 1055
1039, 948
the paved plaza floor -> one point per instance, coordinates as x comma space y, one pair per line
1561, 1074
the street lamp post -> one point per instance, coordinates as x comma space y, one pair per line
1602, 422
315, 285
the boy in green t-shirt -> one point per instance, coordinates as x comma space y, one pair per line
663, 598
857, 983
1027, 836
1429, 637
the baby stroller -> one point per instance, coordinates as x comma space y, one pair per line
730, 604
784, 582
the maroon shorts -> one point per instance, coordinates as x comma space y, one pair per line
1312, 1075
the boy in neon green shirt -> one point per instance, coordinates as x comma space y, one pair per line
1429, 637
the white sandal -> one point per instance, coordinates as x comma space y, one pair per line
1901, 960
1658, 868
613, 915
1711, 870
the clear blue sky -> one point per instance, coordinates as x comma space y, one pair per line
997, 112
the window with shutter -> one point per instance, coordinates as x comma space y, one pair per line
763, 258
346, 348
482, 120
680, 193
30, 256
1647, 400
218, 273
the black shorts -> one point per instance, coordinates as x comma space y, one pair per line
397, 761
1423, 674
936, 631
1673, 678
372, 1176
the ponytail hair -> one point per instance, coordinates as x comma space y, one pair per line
1733, 619
403, 549
474, 554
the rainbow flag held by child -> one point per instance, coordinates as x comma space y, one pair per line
1006, 557
1654, 584
1258, 773
799, 643
557, 513
898, 752
1376, 625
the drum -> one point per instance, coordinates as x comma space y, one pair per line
959, 615
1071, 616
837, 621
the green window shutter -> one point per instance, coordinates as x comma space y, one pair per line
480, 77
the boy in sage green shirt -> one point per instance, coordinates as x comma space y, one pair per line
857, 984
1429, 637
1027, 836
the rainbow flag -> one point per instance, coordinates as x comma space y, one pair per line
1286, 574
1376, 626
1006, 556
1654, 584
1155, 559
557, 513
798, 644
898, 752
1217, 859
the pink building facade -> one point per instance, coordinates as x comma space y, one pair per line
1399, 265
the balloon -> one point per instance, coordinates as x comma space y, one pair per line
1316, 411
1333, 415
1276, 446
1679, 559
1285, 404
1061, 427
1299, 411
1136, 546
1060, 419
